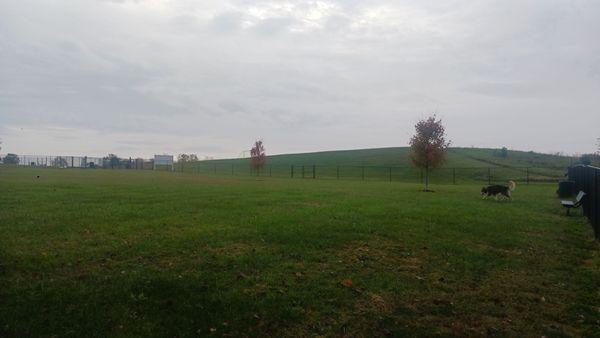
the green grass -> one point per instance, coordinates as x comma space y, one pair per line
142, 253
463, 164
399, 157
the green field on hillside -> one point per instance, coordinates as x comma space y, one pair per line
143, 253
462, 165
399, 157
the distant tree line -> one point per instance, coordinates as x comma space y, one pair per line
11, 159
115, 162
187, 158
503, 152
589, 159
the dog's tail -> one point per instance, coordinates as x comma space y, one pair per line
512, 185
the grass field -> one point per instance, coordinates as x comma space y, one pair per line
122, 253
463, 164
400, 157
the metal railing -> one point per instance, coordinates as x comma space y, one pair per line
453, 175
447, 175
81, 162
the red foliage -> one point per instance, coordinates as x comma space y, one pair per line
258, 155
429, 144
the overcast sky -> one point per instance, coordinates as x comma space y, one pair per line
135, 78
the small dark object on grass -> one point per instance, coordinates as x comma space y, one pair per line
38, 176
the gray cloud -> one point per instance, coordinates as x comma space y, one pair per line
228, 22
142, 77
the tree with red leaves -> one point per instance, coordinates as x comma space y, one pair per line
258, 156
429, 146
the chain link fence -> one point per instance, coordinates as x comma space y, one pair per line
88, 162
457, 175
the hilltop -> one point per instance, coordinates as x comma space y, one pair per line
395, 164
399, 157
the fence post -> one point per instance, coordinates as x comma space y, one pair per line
314, 171
527, 175
489, 176
390, 174
292, 171
453, 175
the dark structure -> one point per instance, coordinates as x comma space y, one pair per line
566, 189
587, 179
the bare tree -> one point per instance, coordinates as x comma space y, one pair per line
429, 146
187, 158
258, 156
11, 159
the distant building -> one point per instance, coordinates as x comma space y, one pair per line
163, 162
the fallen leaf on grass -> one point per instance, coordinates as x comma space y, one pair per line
347, 283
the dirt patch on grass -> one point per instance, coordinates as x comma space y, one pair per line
514, 252
379, 253
501, 301
379, 303
592, 264
237, 249
507, 302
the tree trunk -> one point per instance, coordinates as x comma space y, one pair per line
426, 178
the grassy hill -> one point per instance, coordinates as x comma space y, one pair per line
399, 157
394, 163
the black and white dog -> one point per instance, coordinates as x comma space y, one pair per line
498, 190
